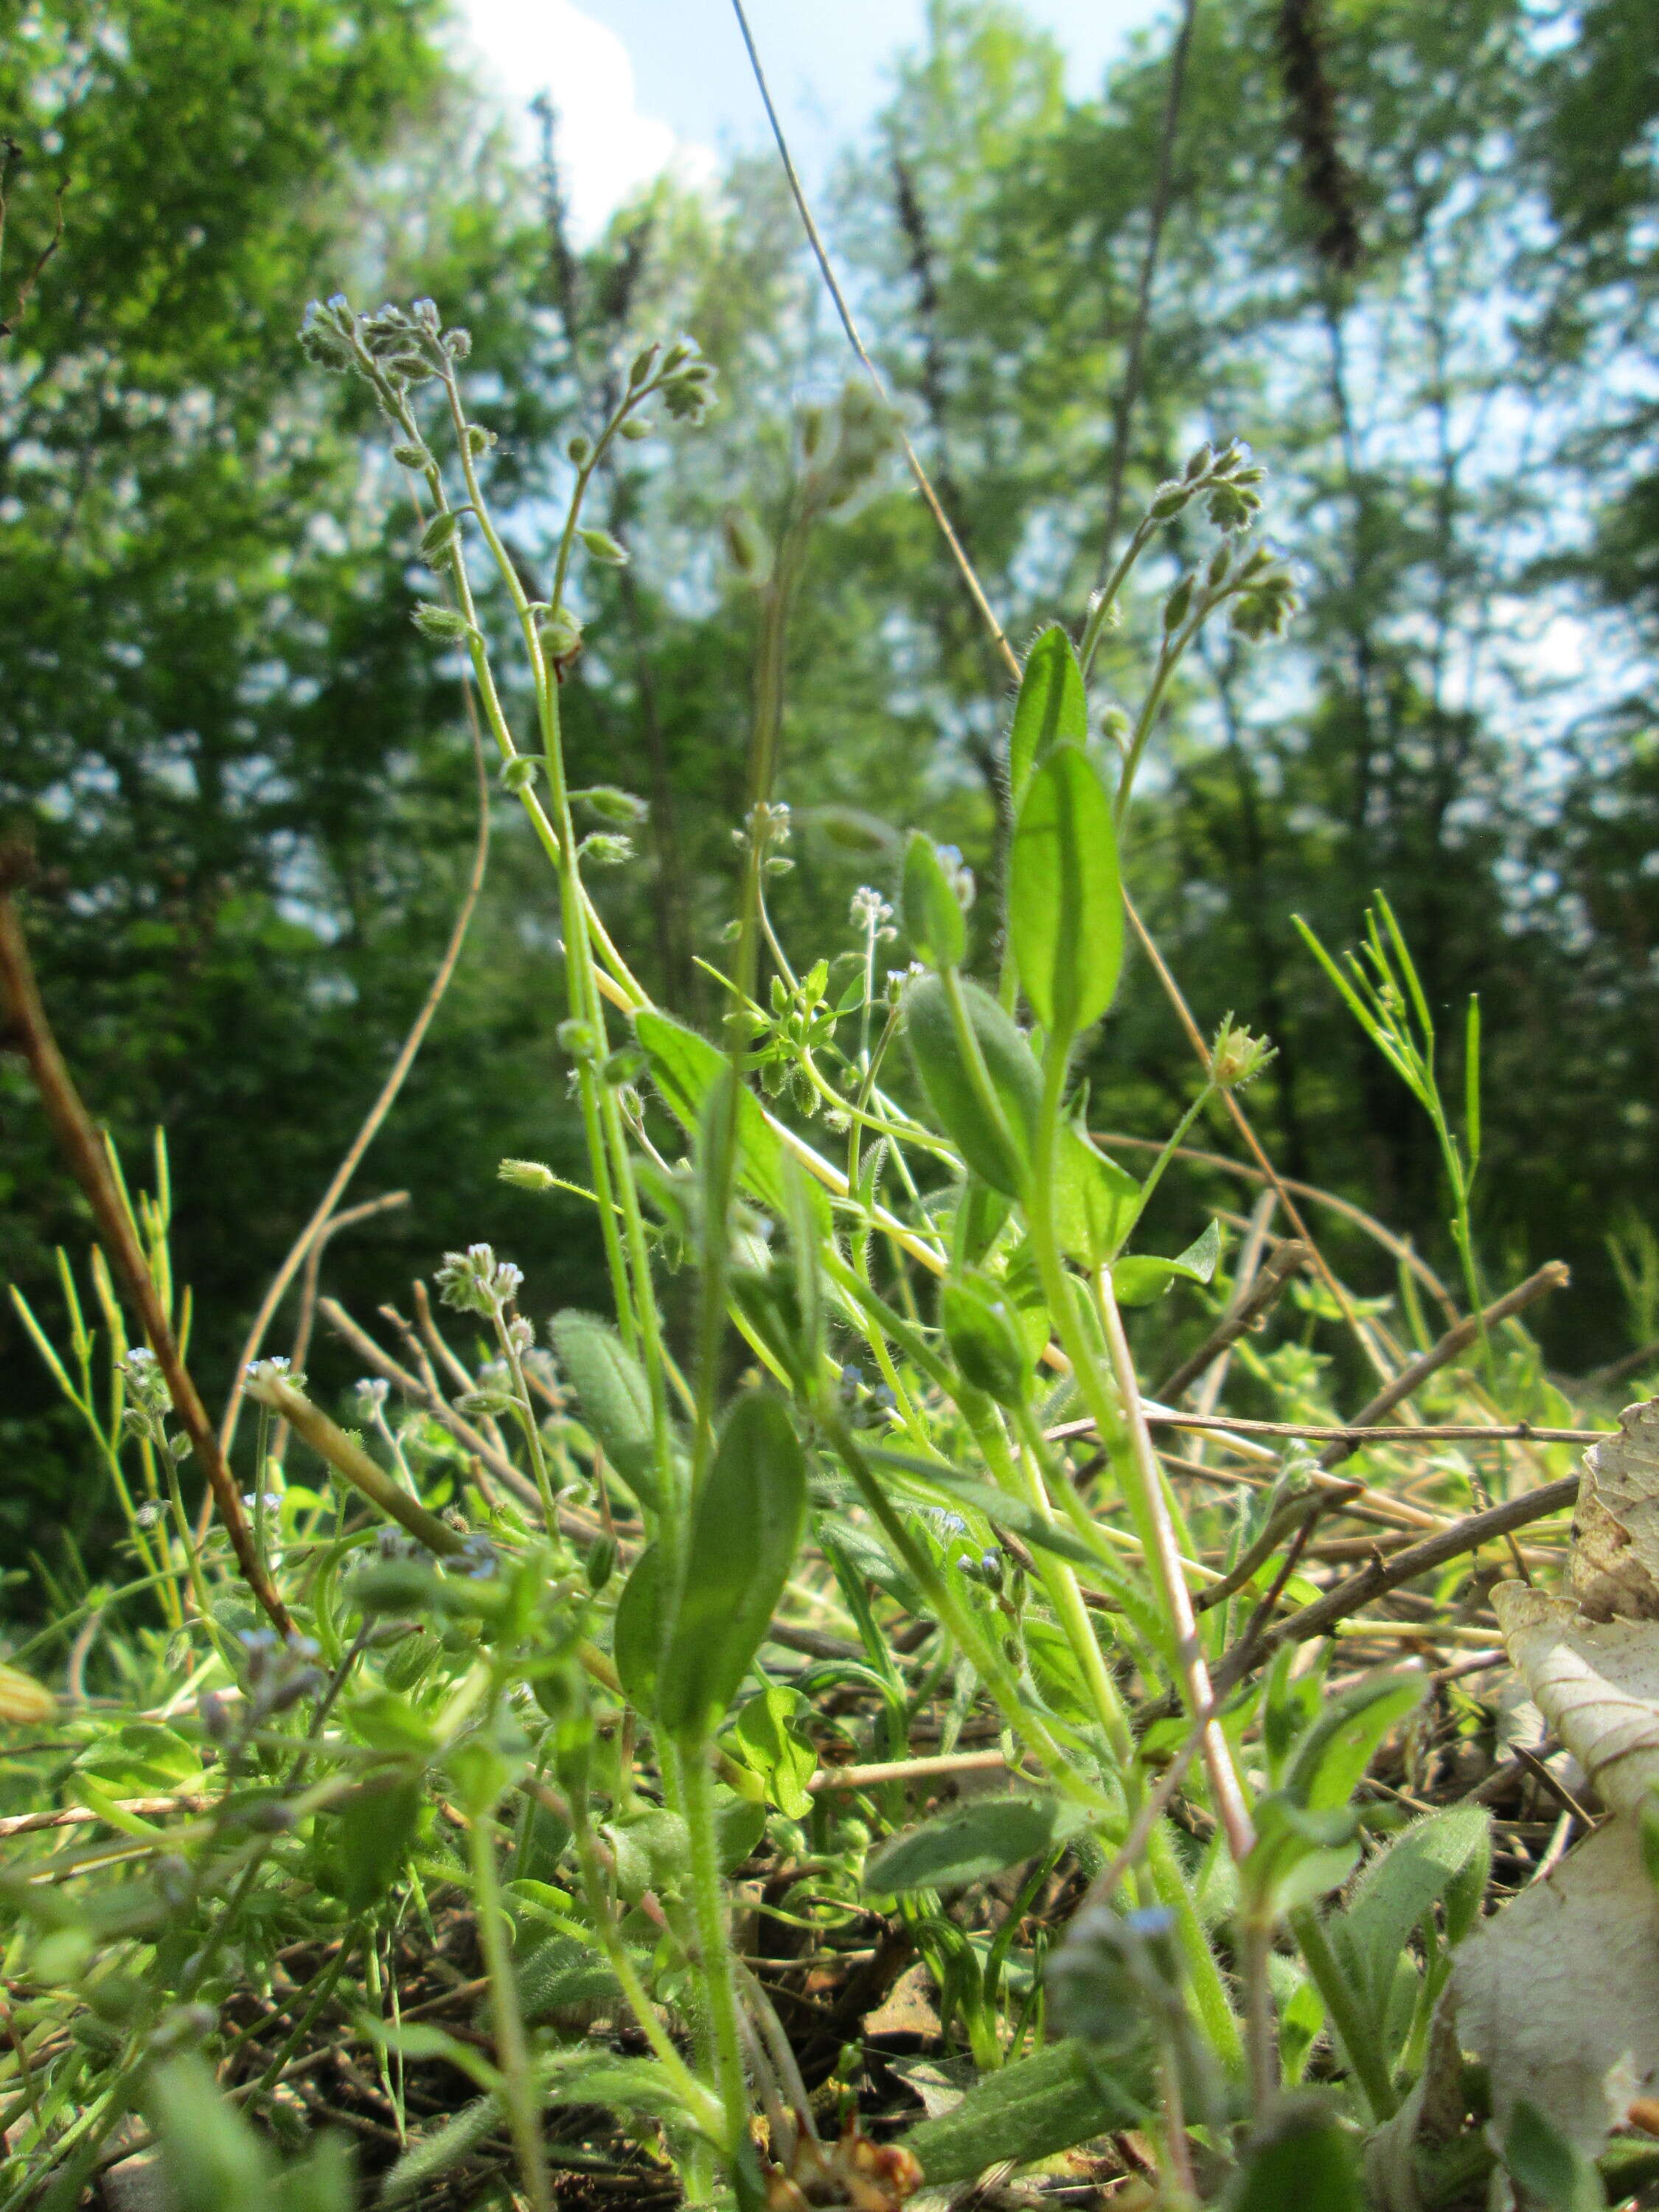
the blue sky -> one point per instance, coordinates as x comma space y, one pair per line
639, 82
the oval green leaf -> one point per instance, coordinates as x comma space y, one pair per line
746, 1529
1064, 899
1052, 709
933, 920
1001, 1156
971, 1843
612, 1392
1143, 1277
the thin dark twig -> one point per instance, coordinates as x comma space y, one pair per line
1382, 1576
924, 483
11, 154
79, 1142
1298, 1514
1124, 406
1453, 1432
1261, 1295
1553, 1275
383, 1104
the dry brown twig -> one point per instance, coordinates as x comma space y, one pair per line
79, 1142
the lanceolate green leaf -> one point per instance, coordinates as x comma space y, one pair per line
1342, 1743
746, 1531
1065, 901
1052, 709
972, 1842
636, 1637
684, 1068
1060, 2095
612, 1394
998, 1156
933, 920
1142, 1277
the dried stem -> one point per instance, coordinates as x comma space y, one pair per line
79, 1142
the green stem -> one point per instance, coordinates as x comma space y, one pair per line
1370, 2071
518, 2087
713, 1945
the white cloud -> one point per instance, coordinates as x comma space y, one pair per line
606, 147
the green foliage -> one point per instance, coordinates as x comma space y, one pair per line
538, 1753
993, 1132
746, 1529
972, 1844
1065, 903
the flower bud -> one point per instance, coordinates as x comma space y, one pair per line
527, 1175
440, 623
602, 546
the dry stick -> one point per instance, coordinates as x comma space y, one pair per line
1176, 997
1380, 1577
1261, 1294
331, 1229
1553, 1275
1396, 1246
1123, 407
377, 1112
430, 1401
83, 1816
79, 1142
1604, 1378
905, 1770
1455, 1432
976, 590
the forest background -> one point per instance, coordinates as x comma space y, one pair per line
1410, 251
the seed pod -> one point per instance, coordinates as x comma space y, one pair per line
23, 1700
602, 546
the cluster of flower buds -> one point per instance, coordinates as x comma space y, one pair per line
871, 915
768, 825
147, 1415
475, 1281
279, 1672
1226, 481
394, 345
1264, 596
678, 374
843, 445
